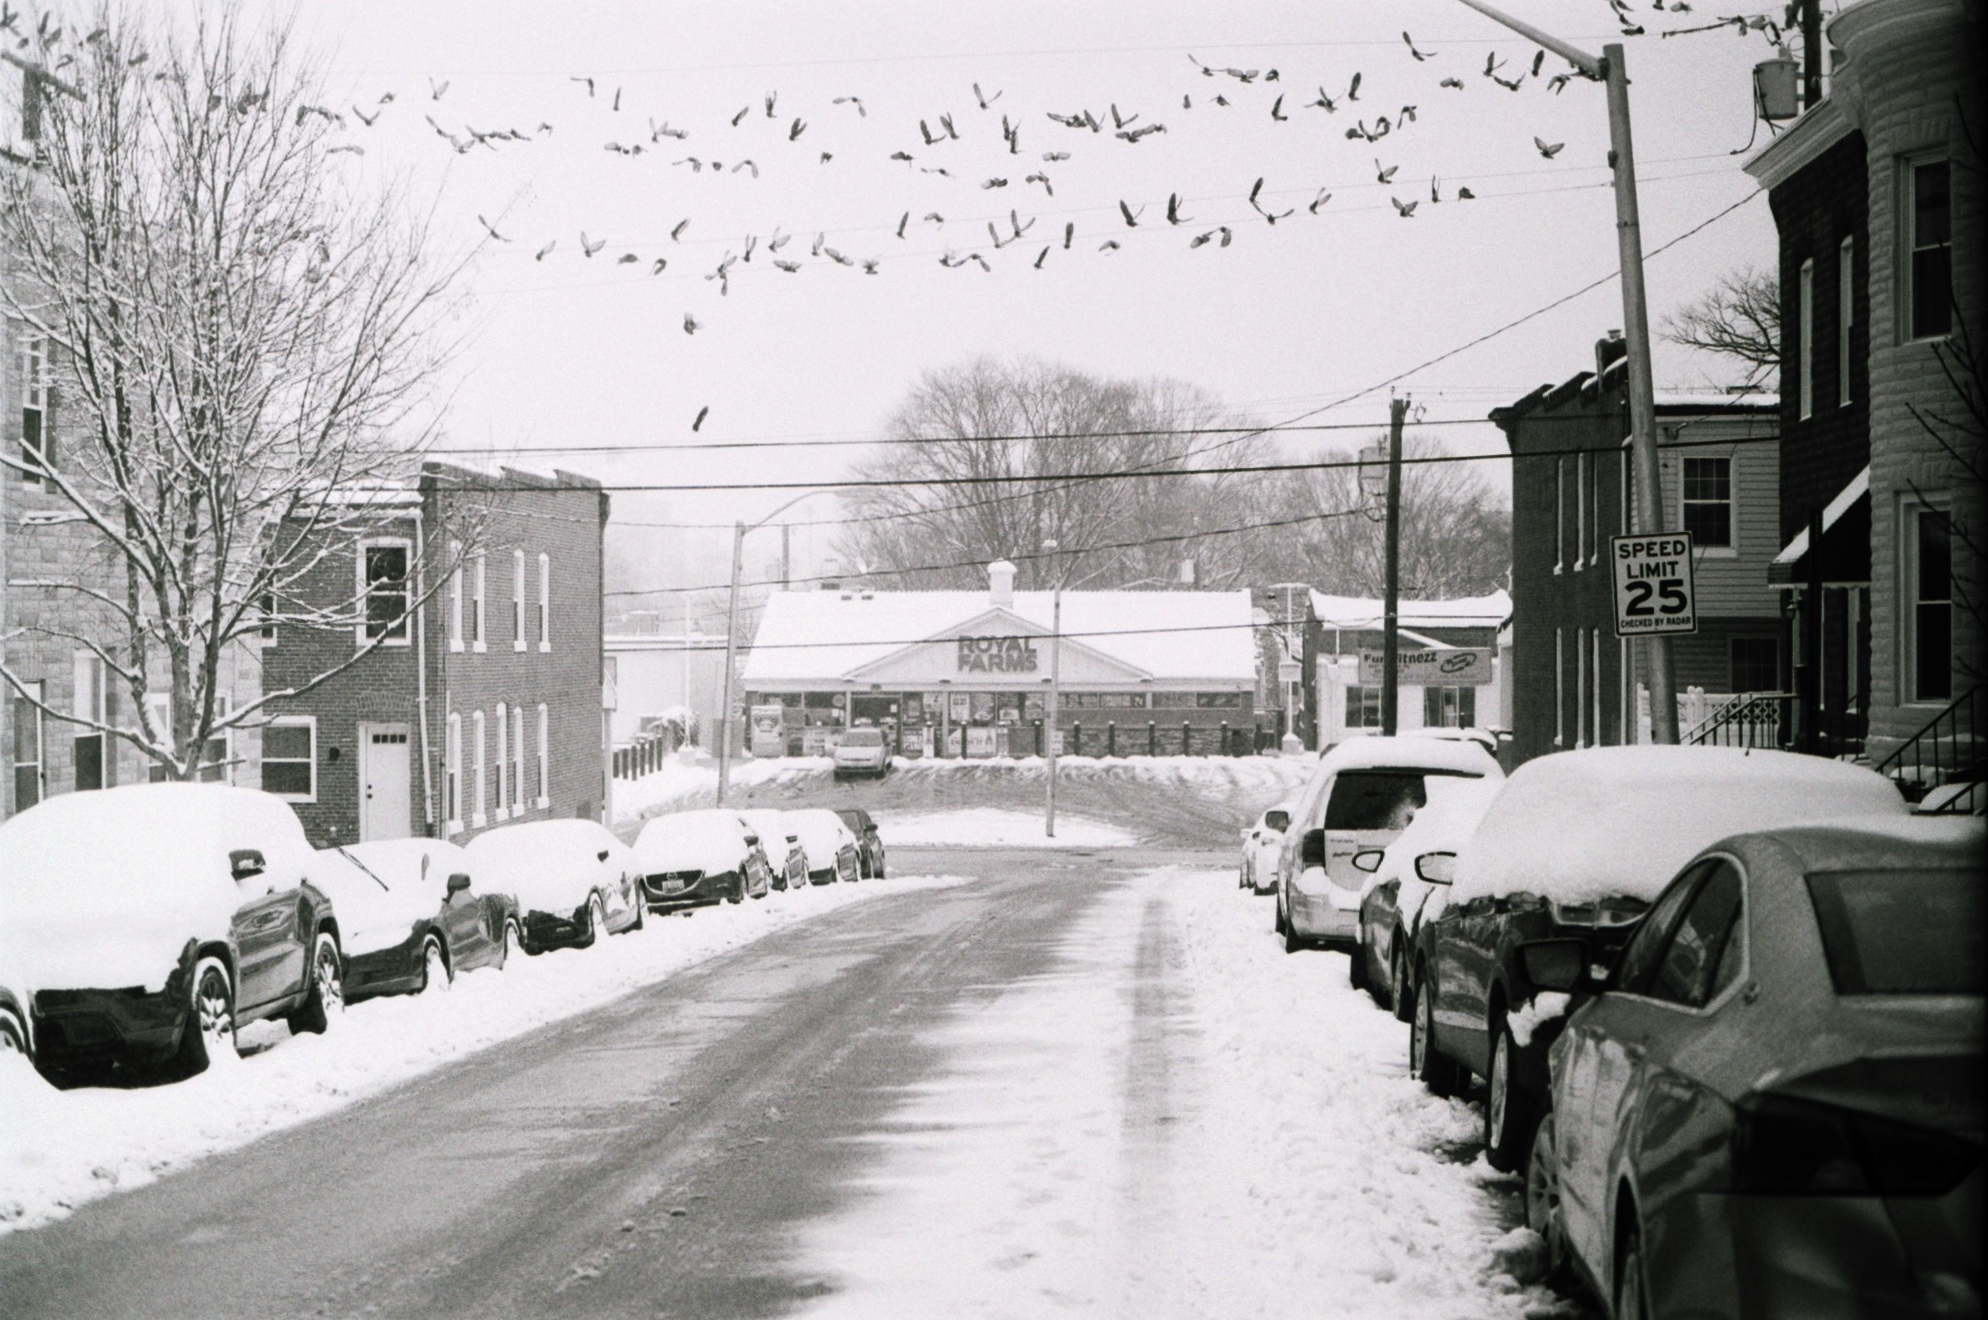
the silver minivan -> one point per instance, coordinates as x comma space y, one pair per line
862, 751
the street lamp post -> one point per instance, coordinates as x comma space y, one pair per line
725, 720
1611, 70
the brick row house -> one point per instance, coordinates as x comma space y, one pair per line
1573, 682
481, 702
1877, 193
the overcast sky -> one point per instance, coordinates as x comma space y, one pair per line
569, 350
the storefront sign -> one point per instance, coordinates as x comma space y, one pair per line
1441, 666
769, 730
979, 742
1006, 655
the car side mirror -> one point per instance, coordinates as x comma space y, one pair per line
1368, 860
1311, 849
1277, 820
458, 882
752, 840
1436, 868
601, 855
246, 863
1556, 964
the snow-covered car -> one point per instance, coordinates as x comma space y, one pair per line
572, 879
869, 843
785, 857
149, 921
1261, 842
689, 859
1361, 795
1575, 848
830, 847
863, 751
1772, 1105
413, 916
1396, 900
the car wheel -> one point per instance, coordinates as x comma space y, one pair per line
210, 1023
13, 1035
1398, 983
1356, 968
738, 894
1425, 1062
435, 974
1507, 1116
1631, 1297
596, 921
509, 948
1292, 940
325, 999
641, 912
1277, 922
1542, 1165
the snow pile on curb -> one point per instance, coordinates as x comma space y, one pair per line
679, 786
1207, 1127
991, 827
59, 1149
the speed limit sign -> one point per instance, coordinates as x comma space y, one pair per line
1653, 593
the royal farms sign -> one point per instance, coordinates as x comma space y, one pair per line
1002, 655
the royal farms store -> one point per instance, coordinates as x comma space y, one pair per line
968, 673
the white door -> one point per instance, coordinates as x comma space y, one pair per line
385, 809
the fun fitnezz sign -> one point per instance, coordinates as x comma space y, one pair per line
1004, 655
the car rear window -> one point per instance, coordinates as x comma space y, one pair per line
862, 738
1374, 799
1900, 932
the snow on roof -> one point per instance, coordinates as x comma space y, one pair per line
1171, 635
1457, 756
1361, 612
1579, 826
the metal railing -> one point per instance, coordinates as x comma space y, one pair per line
1944, 755
1745, 719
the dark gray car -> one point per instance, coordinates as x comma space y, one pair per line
1773, 1104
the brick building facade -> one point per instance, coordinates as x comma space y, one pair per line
1573, 682
481, 702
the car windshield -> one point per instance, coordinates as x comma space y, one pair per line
863, 738
1374, 799
1900, 932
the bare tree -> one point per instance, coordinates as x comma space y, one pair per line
981, 436
1739, 318
1455, 539
238, 334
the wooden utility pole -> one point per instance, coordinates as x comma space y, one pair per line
1811, 52
725, 720
1397, 412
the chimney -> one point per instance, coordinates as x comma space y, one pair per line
1001, 584
1612, 349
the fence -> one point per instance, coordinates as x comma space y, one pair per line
1156, 739
644, 755
1745, 719
1940, 766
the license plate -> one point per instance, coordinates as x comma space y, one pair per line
672, 886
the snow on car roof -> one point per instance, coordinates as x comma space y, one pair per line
818, 634
373, 912
1888, 842
707, 824
1459, 756
1454, 808
767, 820
1620, 821
398, 861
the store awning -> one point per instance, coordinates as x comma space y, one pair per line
1786, 568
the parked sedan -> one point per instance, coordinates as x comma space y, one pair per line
1574, 848
830, 847
869, 844
149, 921
439, 921
1774, 1106
1396, 900
572, 879
1360, 797
690, 859
862, 752
782, 846
1261, 842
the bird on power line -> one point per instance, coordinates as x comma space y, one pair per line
1538, 58
791, 267
746, 165
1456, 83
588, 81
1118, 120
1407, 209
1174, 217
1053, 156
658, 132
1385, 175
902, 221
975, 256
778, 241
946, 122
1069, 232
543, 252
1144, 130
1042, 179
676, 234
436, 90
617, 101
364, 118
983, 98
590, 247
1131, 217
926, 133
701, 414
1435, 189
995, 183
491, 230
870, 265
1465, 195
771, 97
691, 325
1277, 111
1558, 82
1221, 100
935, 218
1419, 55
1353, 89
1407, 115
1041, 256
1318, 201
798, 127
1548, 149
626, 259
743, 112
856, 101
1109, 245
660, 265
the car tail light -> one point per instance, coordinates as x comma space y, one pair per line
1788, 1147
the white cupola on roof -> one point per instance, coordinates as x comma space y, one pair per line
1001, 583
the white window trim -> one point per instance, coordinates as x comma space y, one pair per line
1559, 687
293, 722
1580, 511
1730, 550
1908, 199
517, 600
1559, 515
1910, 509
34, 394
544, 601
455, 596
1846, 313
479, 611
1594, 689
1580, 687
406, 637
519, 803
477, 819
452, 775
544, 757
1805, 340
37, 692
503, 763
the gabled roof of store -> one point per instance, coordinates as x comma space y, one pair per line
1359, 612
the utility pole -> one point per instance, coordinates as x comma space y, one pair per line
725, 720
1397, 411
1811, 52
1611, 69
1055, 693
